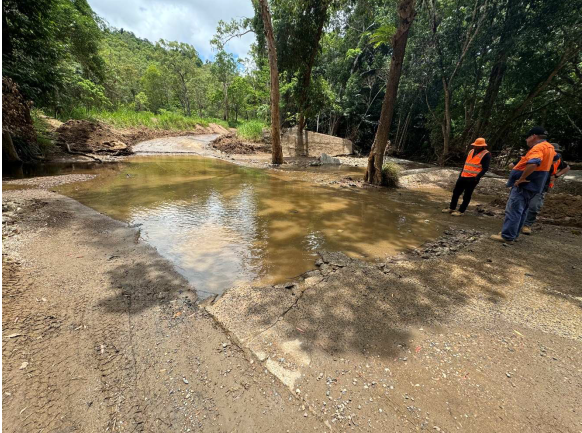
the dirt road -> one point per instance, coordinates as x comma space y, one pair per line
99, 333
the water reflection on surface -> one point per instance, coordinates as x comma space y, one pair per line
222, 224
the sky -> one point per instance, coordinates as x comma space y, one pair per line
191, 21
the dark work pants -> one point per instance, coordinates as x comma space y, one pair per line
465, 186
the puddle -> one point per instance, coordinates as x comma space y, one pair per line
222, 224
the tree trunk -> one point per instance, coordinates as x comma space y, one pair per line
376, 158
446, 123
225, 116
9, 154
277, 150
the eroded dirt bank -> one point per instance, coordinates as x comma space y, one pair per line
99, 333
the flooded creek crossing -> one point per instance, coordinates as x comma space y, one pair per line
222, 224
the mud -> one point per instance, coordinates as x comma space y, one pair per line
231, 144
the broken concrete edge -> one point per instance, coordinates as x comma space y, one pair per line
260, 357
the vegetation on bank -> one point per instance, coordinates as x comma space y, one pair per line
128, 118
391, 174
251, 130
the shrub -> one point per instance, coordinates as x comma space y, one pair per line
390, 174
251, 130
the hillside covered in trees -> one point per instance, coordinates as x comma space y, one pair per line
471, 68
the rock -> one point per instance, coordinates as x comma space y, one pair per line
325, 159
185, 380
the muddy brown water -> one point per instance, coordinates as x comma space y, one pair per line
222, 224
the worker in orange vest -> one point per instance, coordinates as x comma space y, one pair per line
476, 165
559, 168
526, 179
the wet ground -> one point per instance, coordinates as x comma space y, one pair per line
222, 224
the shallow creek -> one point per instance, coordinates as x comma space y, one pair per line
222, 224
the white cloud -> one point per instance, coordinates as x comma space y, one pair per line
191, 21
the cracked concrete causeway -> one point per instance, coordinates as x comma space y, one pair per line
480, 339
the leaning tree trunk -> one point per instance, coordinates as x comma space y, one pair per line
8, 150
376, 158
277, 150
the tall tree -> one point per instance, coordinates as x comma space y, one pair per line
299, 29
181, 61
406, 14
224, 68
277, 150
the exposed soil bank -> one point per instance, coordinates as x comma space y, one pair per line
101, 334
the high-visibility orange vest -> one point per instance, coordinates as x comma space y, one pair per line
473, 164
554, 170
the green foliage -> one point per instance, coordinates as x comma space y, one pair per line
91, 95
251, 130
47, 45
44, 134
382, 35
129, 118
154, 87
391, 174
141, 102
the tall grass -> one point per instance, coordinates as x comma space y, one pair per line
44, 132
251, 130
128, 118
391, 174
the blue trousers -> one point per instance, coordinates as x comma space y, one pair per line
535, 206
516, 212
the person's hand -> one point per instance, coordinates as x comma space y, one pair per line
520, 181
553, 178
511, 166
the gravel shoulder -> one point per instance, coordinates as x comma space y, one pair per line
99, 333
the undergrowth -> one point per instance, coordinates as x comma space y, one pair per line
128, 118
391, 174
251, 130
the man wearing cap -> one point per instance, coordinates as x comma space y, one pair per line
476, 165
526, 179
558, 169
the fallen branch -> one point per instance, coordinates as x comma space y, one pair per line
74, 152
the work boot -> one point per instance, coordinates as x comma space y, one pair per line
499, 238
447, 210
457, 213
526, 230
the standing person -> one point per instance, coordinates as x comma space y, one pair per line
559, 168
527, 179
476, 165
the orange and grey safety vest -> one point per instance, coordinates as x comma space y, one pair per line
555, 166
473, 164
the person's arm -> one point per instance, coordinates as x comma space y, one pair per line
535, 160
529, 169
563, 171
485, 163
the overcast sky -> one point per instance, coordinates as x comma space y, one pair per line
191, 21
